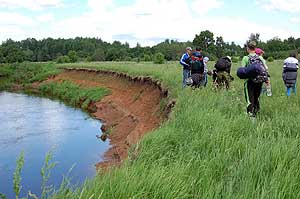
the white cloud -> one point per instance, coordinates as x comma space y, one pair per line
146, 22
15, 19
46, 18
30, 4
292, 6
203, 6
295, 20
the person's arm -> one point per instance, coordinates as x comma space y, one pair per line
245, 61
183, 60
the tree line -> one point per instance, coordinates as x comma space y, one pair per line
95, 49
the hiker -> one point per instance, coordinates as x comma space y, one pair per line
289, 74
197, 68
221, 73
267, 85
205, 61
252, 86
185, 62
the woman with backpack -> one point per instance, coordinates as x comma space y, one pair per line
290, 72
252, 86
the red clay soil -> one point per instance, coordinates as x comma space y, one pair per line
130, 111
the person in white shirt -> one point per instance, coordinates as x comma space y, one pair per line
290, 72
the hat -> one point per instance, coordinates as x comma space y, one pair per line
259, 51
205, 59
229, 57
189, 48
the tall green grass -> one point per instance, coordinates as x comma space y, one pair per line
73, 94
209, 148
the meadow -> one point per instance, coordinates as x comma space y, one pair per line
209, 148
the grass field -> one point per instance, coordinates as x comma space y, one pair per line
209, 148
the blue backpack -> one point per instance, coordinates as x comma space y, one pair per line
255, 71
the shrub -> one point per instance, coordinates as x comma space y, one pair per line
235, 59
73, 56
270, 59
159, 58
63, 59
147, 57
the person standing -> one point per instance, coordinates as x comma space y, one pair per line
205, 61
252, 86
267, 86
185, 62
290, 72
197, 68
221, 73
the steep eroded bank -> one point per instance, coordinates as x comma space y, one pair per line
132, 109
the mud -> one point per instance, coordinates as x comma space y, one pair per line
131, 110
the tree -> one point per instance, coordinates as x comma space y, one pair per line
98, 55
254, 37
220, 47
204, 40
73, 56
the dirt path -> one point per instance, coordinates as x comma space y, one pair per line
132, 110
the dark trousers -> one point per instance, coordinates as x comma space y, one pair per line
252, 93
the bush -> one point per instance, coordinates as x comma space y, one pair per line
270, 59
235, 59
73, 56
147, 57
63, 59
159, 58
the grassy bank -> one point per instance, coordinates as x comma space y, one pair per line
209, 148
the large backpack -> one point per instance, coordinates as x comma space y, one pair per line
261, 73
222, 64
197, 65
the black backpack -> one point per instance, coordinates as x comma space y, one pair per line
223, 64
197, 65
262, 73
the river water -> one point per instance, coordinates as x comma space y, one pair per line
35, 126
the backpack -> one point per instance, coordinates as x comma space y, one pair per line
222, 64
261, 71
197, 65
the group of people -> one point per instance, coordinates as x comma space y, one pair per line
253, 69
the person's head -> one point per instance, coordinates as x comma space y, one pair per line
189, 50
251, 47
205, 59
228, 58
198, 49
259, 51
293, 54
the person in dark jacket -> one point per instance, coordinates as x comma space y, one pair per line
221, 73
197, 68
290, 72
185, 62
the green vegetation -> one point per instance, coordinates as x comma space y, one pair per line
25, 73
159, 58
209, 148
73, 94
17, 175
95, 49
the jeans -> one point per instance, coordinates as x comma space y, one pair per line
186, 74
288, 90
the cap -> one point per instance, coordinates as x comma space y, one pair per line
205, 59
259, 51
189, 48
229, 57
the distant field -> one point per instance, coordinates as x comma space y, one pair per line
209, 148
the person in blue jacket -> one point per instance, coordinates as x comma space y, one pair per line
185, 62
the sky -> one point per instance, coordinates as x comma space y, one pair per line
149, 22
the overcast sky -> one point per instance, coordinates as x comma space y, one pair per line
149, 21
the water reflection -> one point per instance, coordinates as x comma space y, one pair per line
38, 125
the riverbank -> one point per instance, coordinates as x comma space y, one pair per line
135, 107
